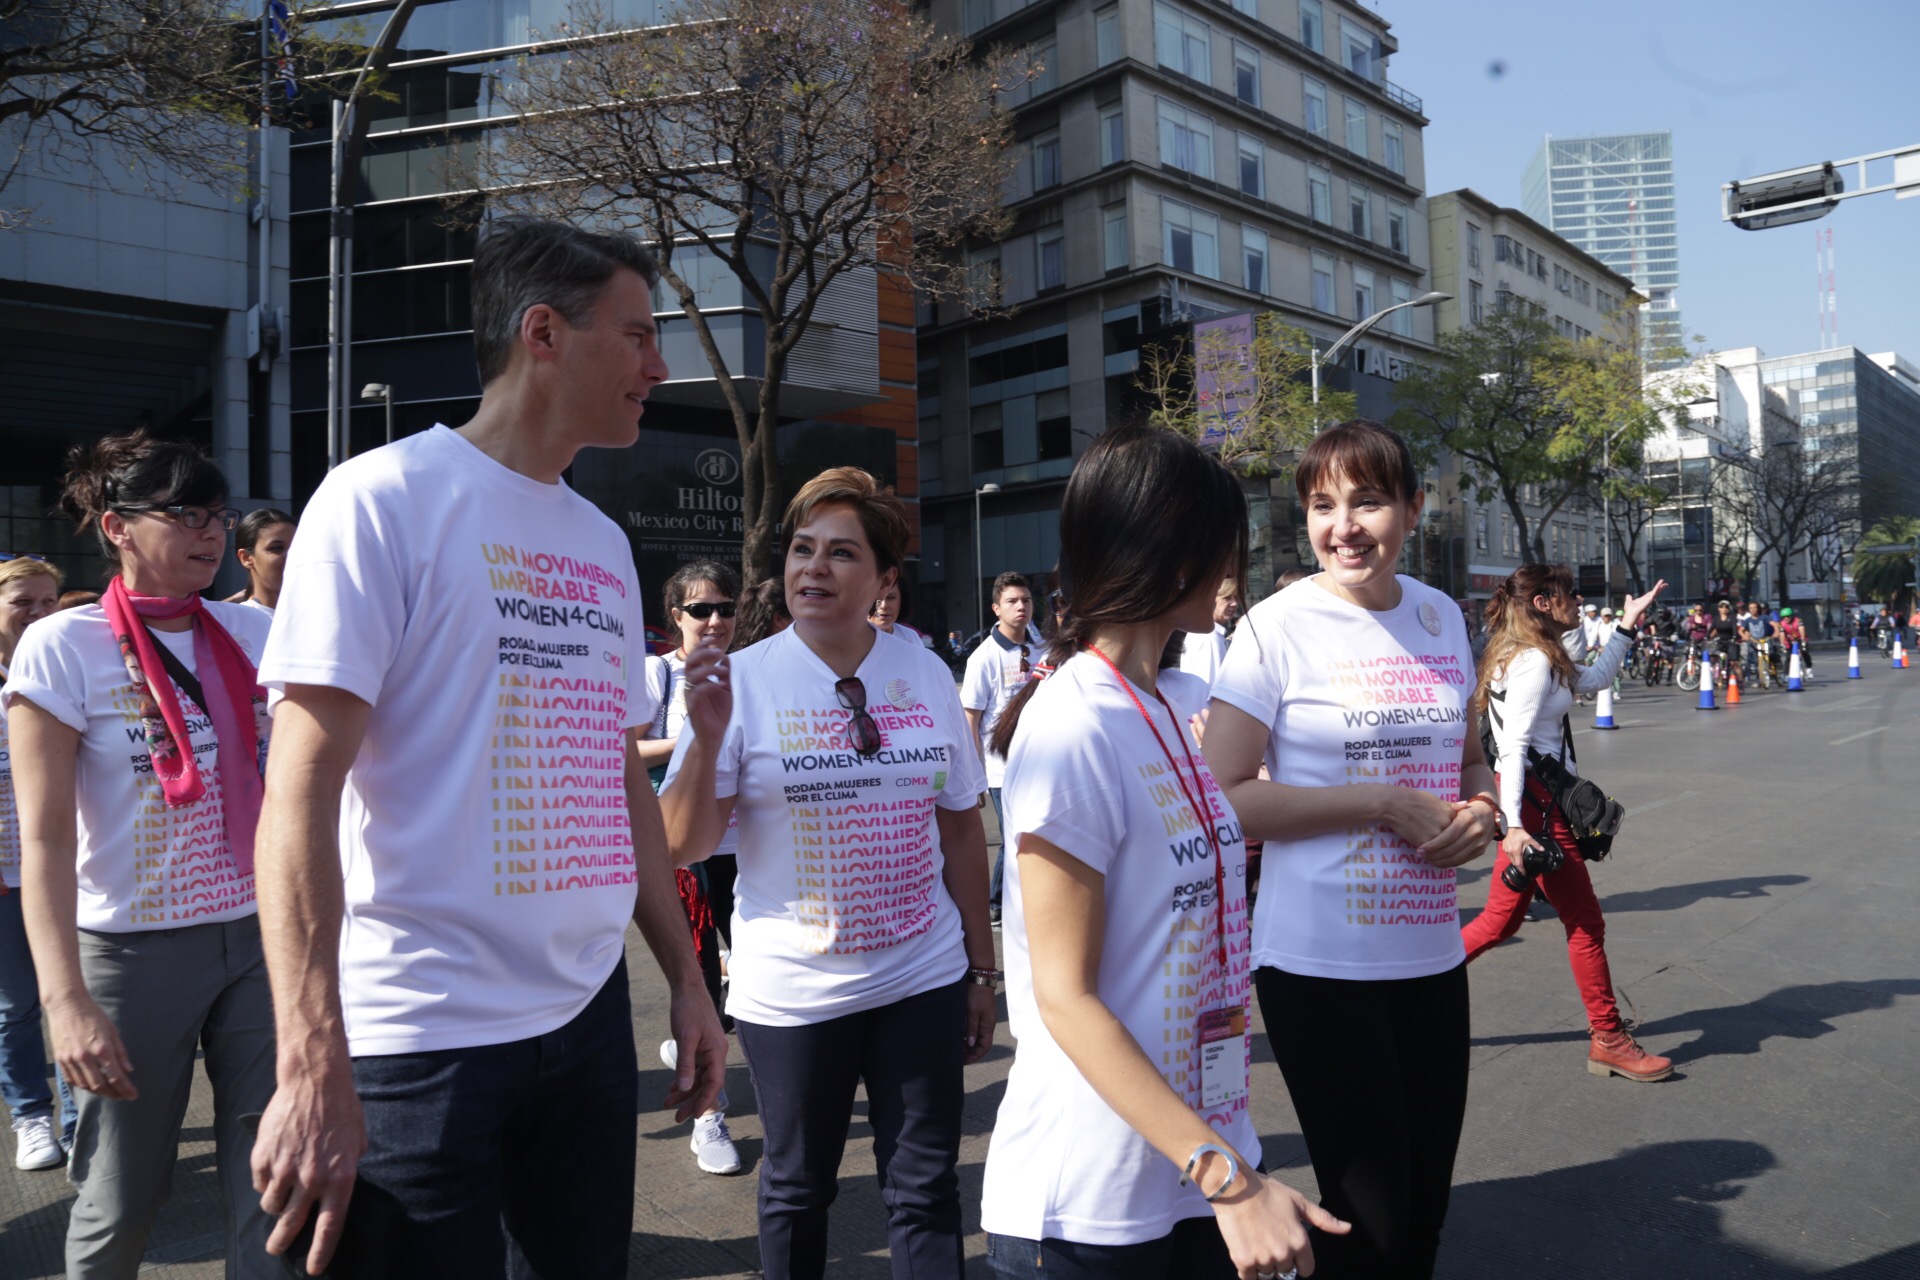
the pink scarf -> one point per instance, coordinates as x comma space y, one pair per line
238, 710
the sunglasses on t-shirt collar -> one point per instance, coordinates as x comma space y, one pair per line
701, 610
863, 735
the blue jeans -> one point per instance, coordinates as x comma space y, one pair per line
909, 1054
23, 1053
1194, 1248
1000, 855
511, 1159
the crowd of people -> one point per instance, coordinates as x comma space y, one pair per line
369, 840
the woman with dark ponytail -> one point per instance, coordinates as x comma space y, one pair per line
1527, 685
261, 541
1124, 1146
138, 729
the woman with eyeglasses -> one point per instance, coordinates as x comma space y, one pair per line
700, 600
138, 731
861, 946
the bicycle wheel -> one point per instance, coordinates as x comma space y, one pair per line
1688, 675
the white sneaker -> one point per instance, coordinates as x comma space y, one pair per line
713, 1146
670, 1054
36, 1146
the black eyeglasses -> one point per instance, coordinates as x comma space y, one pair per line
862, 733
704, 609
191, 517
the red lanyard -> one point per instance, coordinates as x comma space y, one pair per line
1199, 813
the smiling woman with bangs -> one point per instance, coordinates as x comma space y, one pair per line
1352, 687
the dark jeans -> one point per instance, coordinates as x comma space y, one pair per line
1000, 854
908, 1053
1193, 1248
1378, 1076
510, 1159
722, 871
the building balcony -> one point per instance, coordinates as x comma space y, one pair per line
1410, 101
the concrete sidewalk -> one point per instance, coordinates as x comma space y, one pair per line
1761, 905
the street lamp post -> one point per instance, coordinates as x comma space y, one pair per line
381, 391
1332, 353
979, 569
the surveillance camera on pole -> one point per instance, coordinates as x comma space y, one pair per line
1813, 191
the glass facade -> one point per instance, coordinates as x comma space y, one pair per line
1851, 408
1612, 196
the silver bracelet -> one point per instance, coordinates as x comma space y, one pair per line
1233, 1169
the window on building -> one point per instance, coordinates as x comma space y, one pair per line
1393, 147
1323, 284
1106, 34
1253, 178
1320, 194
1356, 126
1113, 135
1359, 211
1246, 74
1249, 7
1045, 56
1582, 292
1114, 234
1362, 292
1480, 531
1398, 238
989, 441
1473, 246
1358, 49
1401, 321
1563, 280
1312, 26
1183, 43
984, 276
1050, 259
1053, 427
1191, 240
1253, 259
1476, 307
1186, 139
1505, 250
1315, 95
1046, 160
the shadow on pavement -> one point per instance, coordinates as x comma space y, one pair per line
1797, 1013
687, 1257
1678, 896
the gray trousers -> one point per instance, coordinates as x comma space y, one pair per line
168, 992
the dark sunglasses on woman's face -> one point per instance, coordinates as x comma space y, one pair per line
704, 609
862, 733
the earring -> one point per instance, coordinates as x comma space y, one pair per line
1181, 585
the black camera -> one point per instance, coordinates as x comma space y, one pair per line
1544, 857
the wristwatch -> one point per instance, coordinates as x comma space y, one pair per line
1499, 815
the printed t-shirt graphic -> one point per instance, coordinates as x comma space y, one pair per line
992, 677
1355, 696
494, 625
141, 865
840, 906
1087, 775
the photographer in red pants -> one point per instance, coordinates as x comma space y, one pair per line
1527, 684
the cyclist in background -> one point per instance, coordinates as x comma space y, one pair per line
1723, 634
1883, 630
1756, 634
1791, 631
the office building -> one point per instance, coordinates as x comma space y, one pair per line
1494, 259
1612, 196
1180, 160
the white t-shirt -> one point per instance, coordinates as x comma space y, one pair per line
1354, 696
494, 625
667, 690
253, 603
1086, 774
1203, 652
1526, 703
840, 906
992, 677
141, 865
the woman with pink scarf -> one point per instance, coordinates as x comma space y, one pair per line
138, 730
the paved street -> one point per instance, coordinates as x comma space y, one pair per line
1761, 908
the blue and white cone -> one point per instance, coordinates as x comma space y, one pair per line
1796, 682
1603, 710
1853, 659
1706, 687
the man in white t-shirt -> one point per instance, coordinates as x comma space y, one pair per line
457, 827
999, 665
1201, 655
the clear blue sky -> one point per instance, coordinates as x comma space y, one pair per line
1746, 86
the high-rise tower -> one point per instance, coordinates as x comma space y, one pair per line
1612, 195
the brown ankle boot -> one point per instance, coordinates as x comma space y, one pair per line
1615, 1053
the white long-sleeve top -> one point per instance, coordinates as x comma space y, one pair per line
1528, 703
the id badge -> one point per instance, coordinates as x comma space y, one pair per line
1223, 1055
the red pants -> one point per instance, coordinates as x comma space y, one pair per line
1568, 891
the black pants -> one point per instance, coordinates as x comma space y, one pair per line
909, 1054
722, 870
1378, 1075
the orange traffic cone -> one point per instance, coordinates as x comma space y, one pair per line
1733, 684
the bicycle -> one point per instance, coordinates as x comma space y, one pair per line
1687, 671
1658, 667
1766, 670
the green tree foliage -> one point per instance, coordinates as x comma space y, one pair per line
1884, 578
